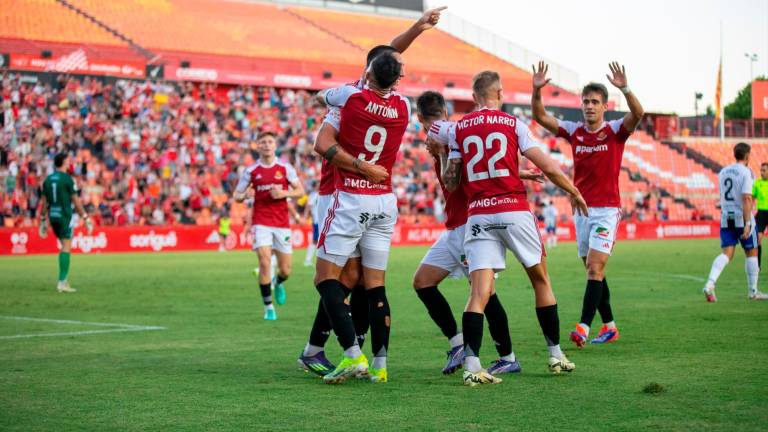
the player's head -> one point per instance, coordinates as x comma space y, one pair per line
266, 144
383, 49
486, 89
594, 102
430, 106
385, 71
741, 152
60, 160
764, 170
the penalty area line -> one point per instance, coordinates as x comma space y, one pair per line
117, 328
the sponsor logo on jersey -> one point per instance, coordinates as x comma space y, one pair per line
266, 187
490, 202
495, 227
363, 184
591, 149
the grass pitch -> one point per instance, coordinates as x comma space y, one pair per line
681, 364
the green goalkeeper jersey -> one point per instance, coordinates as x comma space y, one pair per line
58, 189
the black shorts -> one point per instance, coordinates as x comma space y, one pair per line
762, 220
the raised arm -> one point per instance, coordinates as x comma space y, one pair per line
619, 80
540, 80
550, 169
426, 22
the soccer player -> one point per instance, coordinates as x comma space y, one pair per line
273, 182
760, 194
313, 356
224, 228
737, 224
59, 194
484, 148
364, 210
550, 222
446, 258
598, 147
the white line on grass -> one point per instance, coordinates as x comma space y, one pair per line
118, 327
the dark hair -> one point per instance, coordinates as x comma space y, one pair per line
59, 159
264, 134
430, 104
386, 70
595, 88
741, 150
377, 51
483, 81
763, 164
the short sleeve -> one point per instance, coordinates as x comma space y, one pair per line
566, 128
746, 188
244, 181
453, 146
290, 174
439, 132
71, 186
525, 139
333, 118
337, 97
618, 128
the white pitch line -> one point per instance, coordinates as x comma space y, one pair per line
119, 327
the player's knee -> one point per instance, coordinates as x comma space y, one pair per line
595, 272
420, 281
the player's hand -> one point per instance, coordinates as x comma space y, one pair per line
43, 229
373, 173
619, 78
540, 75
88, 225
579, 205
276, 193
532, 175
747, 231
435, 148
430, 18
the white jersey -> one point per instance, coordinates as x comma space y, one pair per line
735, 180
550, 215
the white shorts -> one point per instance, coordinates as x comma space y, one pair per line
364, 221
278, 239
488, 236
598, 230
323, 204
448, 253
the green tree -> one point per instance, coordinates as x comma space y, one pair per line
741, 107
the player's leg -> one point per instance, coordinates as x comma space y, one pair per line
498, 324
62, 228
311, 247
352, 279
264, 254
751, 266
729, 238
378, 311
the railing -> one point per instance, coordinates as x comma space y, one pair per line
704, 127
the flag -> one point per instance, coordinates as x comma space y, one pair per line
718, 93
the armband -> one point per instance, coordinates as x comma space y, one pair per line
331, 153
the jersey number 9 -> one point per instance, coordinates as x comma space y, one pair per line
377, 148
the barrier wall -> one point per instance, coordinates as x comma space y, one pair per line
26, 241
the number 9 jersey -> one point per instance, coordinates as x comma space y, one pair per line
371, 128
488, 142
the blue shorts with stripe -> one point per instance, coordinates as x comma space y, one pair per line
731, 236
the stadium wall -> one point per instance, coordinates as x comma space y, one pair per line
26, 241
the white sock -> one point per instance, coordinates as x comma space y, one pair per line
753, 270
510, 358
717, 267
310, 350
353, 351
379, 363
555, 351
584, 327
472, 364
611, 325
457, 340
273, 266
270, 306
310, 253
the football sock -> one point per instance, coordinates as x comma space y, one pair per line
310, 253
610, 324
281, 279
63, 266
310, 350
509, 358
472, 326
592, 297
606, 313
439, 310
498, 325
321, 328
378, 310
379, 363
332, 296
457, 340
717, 267
760, 256
550, 326
353, 351
358, 302
266, 293
753, 270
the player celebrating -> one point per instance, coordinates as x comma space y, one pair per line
447, 258
598, 147
364, 211
760, 195
273, 182
59, 194
484, 147
550, 223
737, 225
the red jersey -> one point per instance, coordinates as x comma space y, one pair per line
596, 160
488, 142
268, 211
456, 202
328, 171
371, 129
